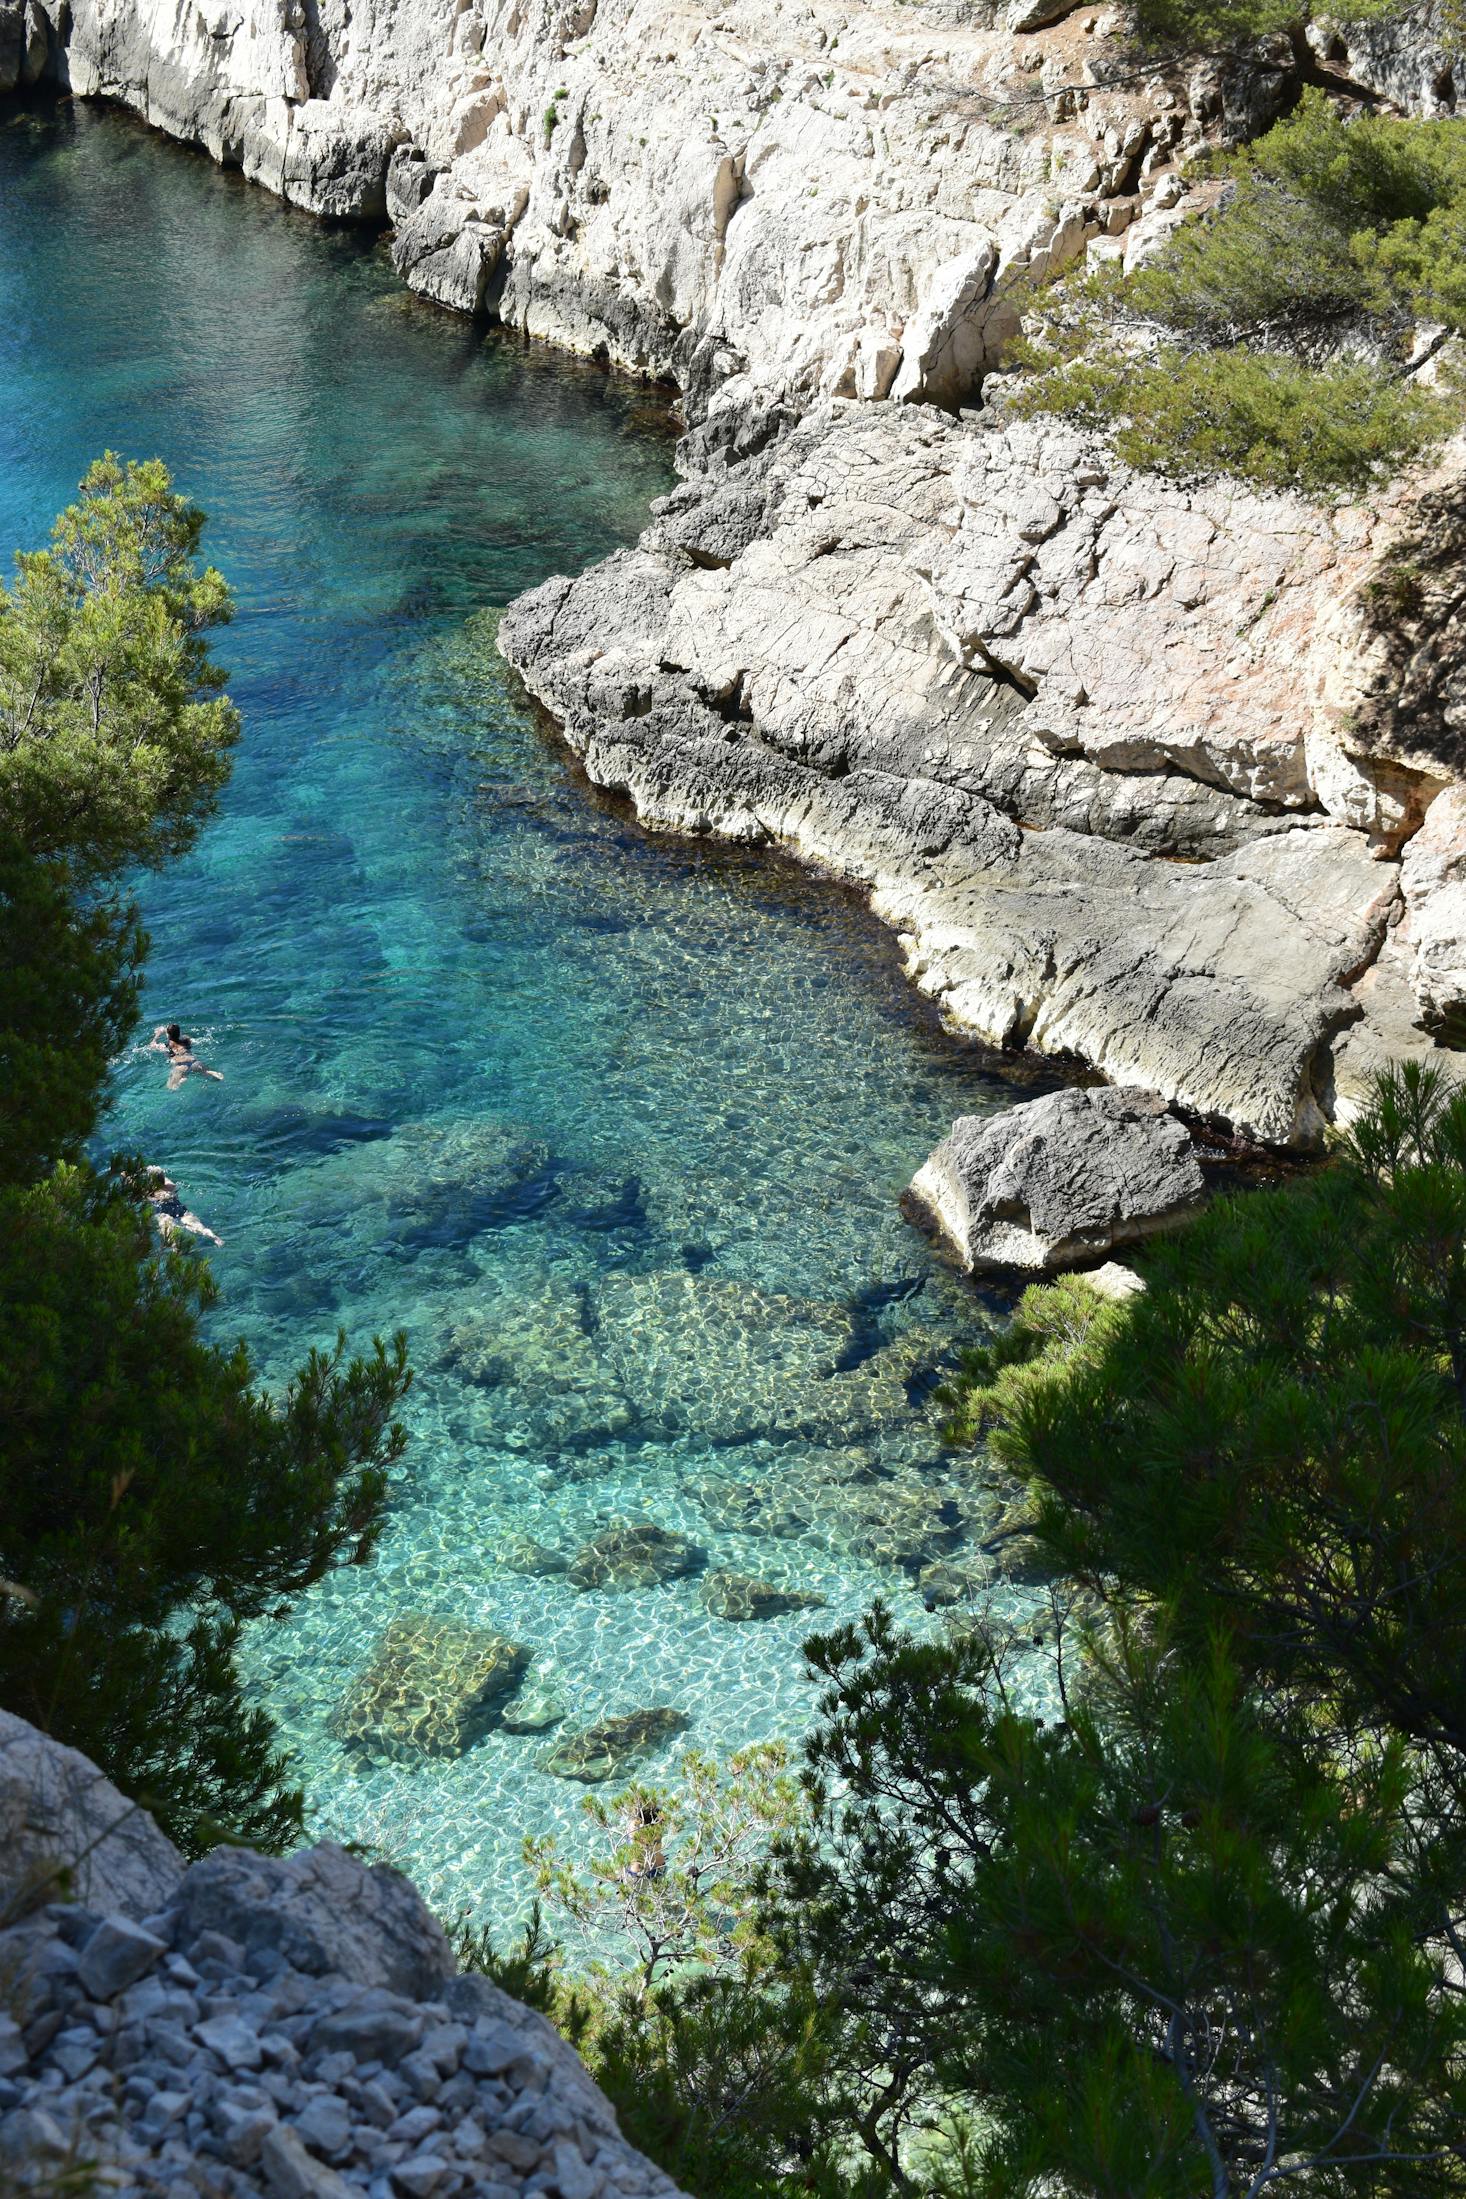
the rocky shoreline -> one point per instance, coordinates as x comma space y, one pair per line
1088, 738
1138, 772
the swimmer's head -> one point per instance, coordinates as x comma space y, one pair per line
175, 1034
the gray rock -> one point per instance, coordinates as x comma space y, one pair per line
368, 2034
325, 2126
321, 1911
232, 2040
118, 1953
1060, 1180
291, 2172
64, 1827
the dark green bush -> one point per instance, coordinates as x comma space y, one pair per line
1261, 415
1326, 226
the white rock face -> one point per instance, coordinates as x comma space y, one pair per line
65, 1829
1059, 1181
1433, 882
1111, 753
1005, 682
786, 194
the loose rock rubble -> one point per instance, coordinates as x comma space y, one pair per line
292, 2028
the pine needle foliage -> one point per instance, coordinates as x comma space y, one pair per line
1197, 1929
153, 1497
1268, 339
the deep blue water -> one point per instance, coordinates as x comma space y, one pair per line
614, 1126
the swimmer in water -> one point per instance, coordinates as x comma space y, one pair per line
182, 1060
161, 1193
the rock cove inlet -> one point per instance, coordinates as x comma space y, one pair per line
613, 1126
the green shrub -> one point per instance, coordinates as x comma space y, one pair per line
1325, 224
152, 1497
1262, 416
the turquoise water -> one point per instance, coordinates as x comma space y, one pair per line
614, 1126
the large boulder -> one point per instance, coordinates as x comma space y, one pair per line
1059, 1181
65, 1829
322, 1911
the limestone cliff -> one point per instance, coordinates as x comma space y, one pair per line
1154, 777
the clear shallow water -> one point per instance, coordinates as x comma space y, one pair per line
613, 1126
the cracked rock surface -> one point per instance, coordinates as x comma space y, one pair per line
786, 193
290, 2027
1059, 1181
1085, 734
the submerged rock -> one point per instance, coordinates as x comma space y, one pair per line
743, 1596
538, 1706
635, 1555
942, 1584
433, 1688
530, 1350
1059, 1180
522, 1554
713, 1358
602, 1750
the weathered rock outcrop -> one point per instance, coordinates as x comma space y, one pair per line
291, 2027
1006, 682
65, 1830
1059, 1181
796, 197
1122, 762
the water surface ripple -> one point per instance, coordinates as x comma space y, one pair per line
613, 1126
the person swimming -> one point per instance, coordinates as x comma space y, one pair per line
161, 1193
182, 1060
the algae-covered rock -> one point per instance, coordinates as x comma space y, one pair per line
530, 1350
635, 1555
433, 1688
743, 1596
429, 1185
943, 1584
522, 1554
720, 1360
602, 1750
724, 1362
